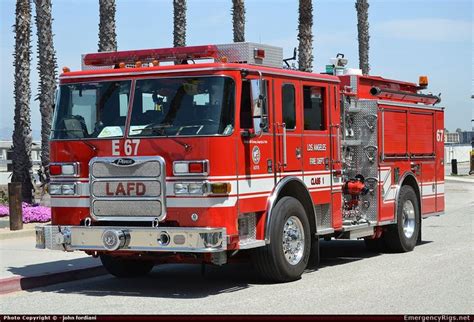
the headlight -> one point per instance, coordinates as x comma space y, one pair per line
190, 188
180, 188
62, 189
69, 189
197, 188
55, 189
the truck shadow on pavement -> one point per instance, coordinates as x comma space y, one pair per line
186, 281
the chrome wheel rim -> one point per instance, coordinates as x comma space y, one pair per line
293, 240
408, 218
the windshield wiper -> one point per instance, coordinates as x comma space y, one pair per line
155, 128
159, 128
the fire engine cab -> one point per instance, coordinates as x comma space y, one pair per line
207, 154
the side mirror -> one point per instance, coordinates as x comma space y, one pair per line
56, 98
258, 91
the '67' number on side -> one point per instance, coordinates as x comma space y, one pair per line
130, 147
440, 135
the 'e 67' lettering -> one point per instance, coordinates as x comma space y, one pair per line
130, 147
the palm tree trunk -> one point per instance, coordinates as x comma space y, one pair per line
107, 35
362, 7
22, 140
305, 35
179, 23
47, 77
238, 20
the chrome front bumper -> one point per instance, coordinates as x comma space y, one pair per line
159, 239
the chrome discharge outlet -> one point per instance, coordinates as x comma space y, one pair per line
164, 238
115, 239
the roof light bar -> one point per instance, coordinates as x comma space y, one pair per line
150, 55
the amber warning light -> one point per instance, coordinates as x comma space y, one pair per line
150, 55
423, 81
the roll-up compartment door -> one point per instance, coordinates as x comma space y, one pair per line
395, 132
421, 133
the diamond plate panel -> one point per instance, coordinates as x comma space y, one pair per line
354, 83
365, 131
323, 216
248, 227
244, 53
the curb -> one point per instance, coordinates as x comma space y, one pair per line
20, 283
17, 234
459, 179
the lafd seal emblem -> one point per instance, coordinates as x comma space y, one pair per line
256, 155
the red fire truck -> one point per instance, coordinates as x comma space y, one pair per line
207, 153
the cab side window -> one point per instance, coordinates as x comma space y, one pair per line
288, 106
313, 98
245, 107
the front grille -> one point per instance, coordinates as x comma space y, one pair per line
103, 168
123, 208
144, 188
127, 188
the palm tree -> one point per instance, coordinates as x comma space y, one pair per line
238, 20
47, 76
107, 35
362, 7
305, 35
22, 141
179, 23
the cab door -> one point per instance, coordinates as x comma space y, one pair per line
288, 128
318, 103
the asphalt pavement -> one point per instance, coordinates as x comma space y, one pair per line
436, 278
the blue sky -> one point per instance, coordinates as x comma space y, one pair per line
408, 39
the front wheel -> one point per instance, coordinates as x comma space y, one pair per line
126, 267
287, 255
402, 236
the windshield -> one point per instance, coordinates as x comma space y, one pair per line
183, 106
92, 110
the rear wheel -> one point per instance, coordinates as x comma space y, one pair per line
125, 267
402, 236
287, 255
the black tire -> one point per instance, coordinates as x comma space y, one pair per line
270, 261
395, 238
125, 267
315, 254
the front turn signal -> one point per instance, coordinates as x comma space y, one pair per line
221, 188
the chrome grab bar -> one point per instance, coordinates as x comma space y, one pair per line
284, 144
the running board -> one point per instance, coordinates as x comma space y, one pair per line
357, 231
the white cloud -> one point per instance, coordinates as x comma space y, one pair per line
426, 29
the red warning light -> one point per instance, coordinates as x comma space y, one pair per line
149, 55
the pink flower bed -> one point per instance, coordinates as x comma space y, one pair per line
3, 210
31, 213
